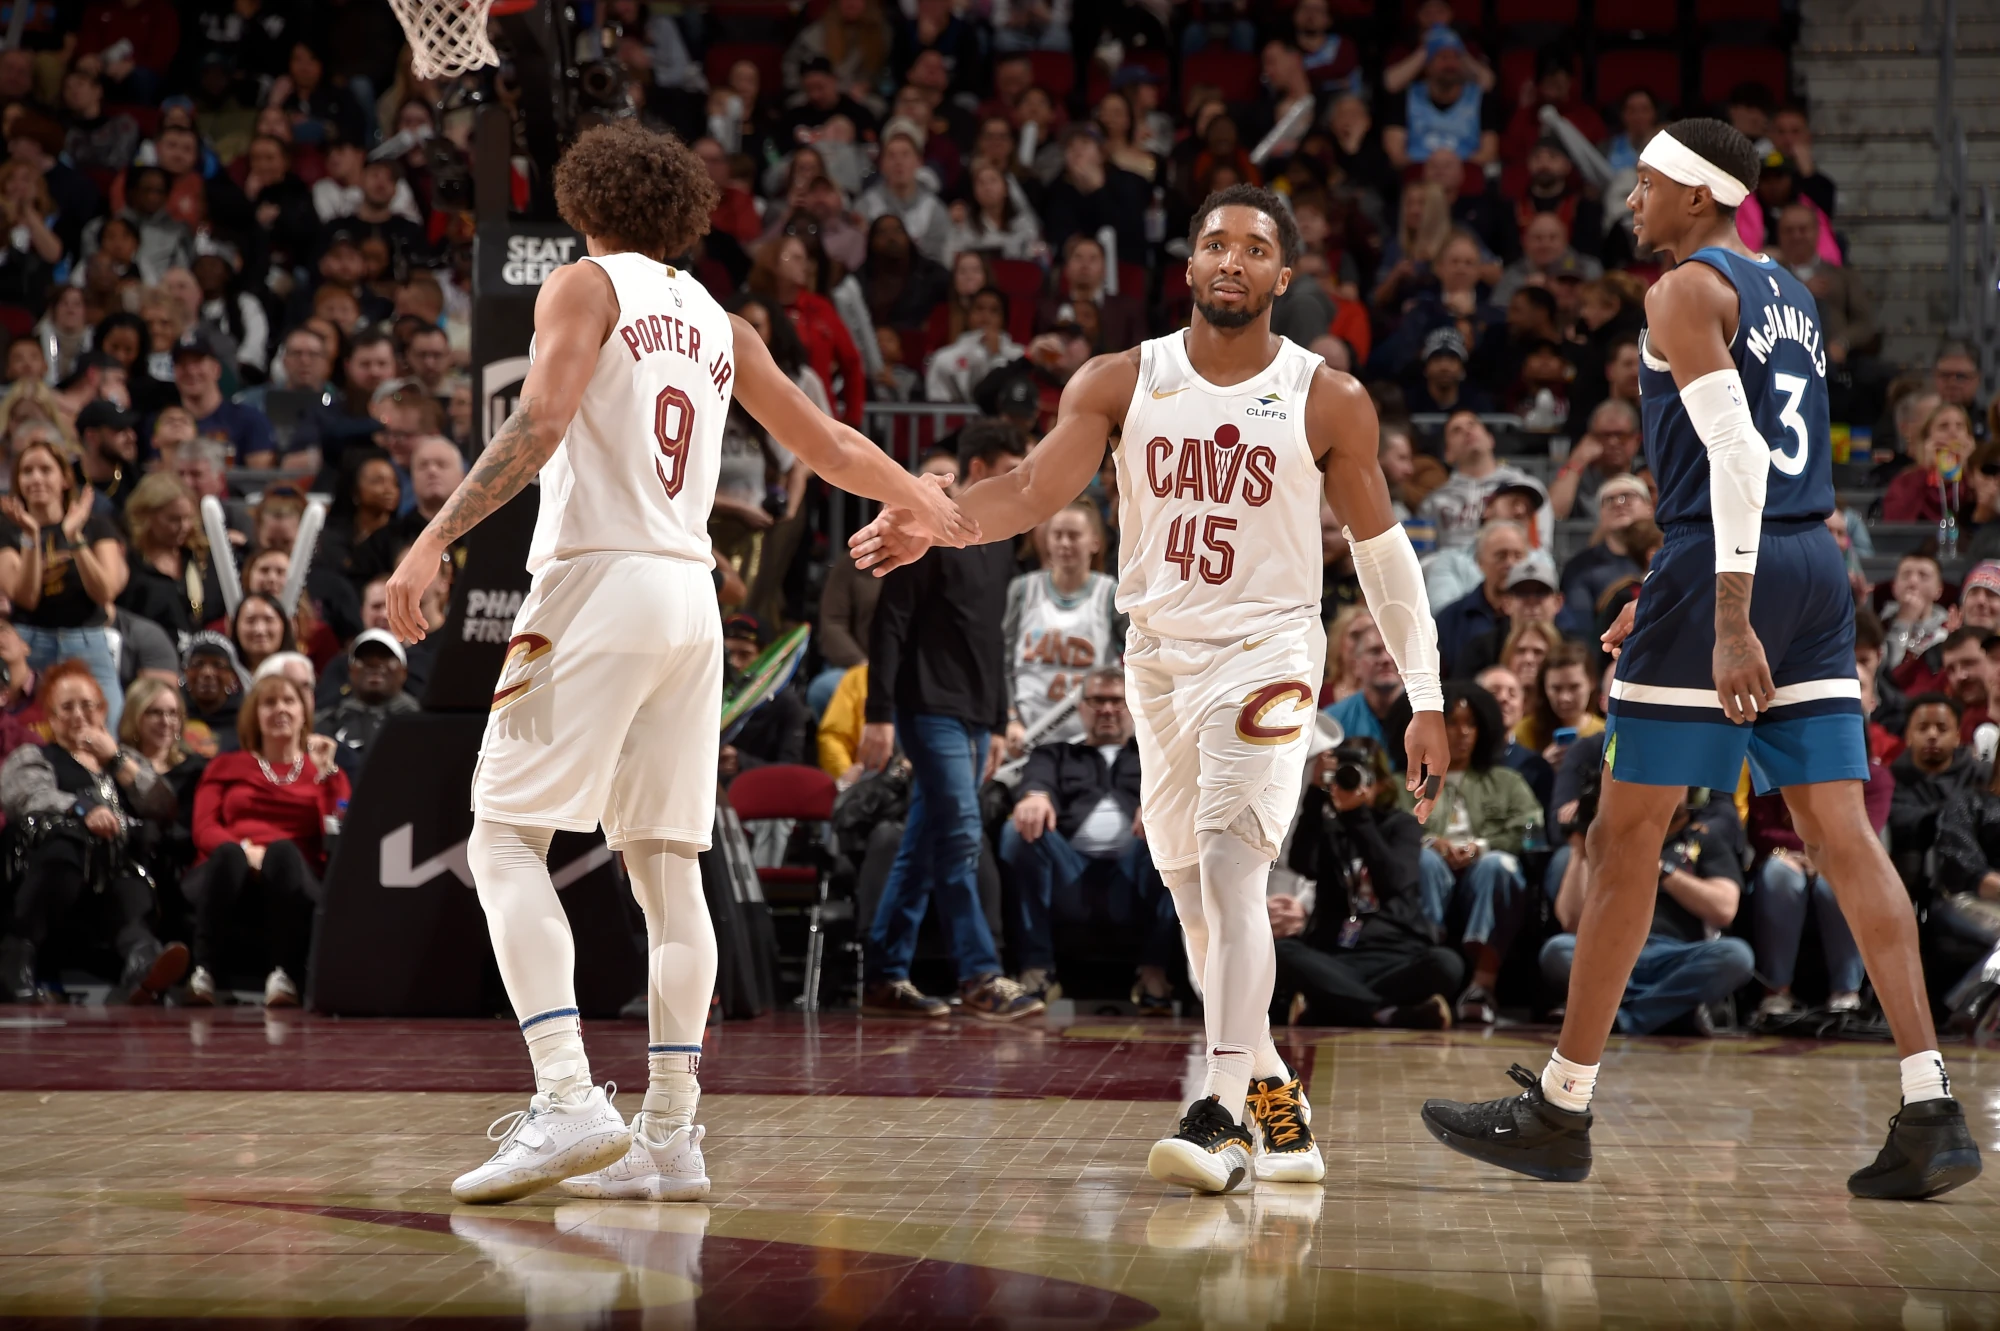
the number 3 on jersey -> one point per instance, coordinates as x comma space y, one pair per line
673, 427
1217, 563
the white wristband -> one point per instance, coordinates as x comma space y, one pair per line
1392, 582
1739, 466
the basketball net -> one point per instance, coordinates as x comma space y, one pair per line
447, 37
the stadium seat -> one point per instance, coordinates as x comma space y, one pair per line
1054, 70
1235, 72
1466, 13
1132, 279
803, 794
1618, 72
1022, 281
1723, 67
16, 321
769, 58
1736, 13
1514, 13
1641, 16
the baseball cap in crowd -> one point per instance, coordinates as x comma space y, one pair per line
342, 235
1536, 567
1985, 575
1528, 492
904, 127
744, 627
1569, 266
1444, 341
1618, 485
195, 345
1018, 401
106, 414
377, 638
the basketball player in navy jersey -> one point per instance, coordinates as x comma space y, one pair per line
1741, 645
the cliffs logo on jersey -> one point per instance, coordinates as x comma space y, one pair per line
1269, 405
1260, 720
1786, 323
1210, 470
518, 674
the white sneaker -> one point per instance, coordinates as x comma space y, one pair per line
279, 991
1844, 1003
201, 988
1282, 1118
652, 1171
546, 1143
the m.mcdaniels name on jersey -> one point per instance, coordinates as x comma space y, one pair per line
1786, 322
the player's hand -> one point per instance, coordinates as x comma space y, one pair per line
1429, 754
1742, 674
878, 745
1621, 629
937, 516
407, 585
900, 536
884, 545
1034, 815
1288, 917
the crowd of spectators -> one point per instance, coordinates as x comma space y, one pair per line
230, 251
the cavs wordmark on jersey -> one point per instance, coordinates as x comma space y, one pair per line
1218, 498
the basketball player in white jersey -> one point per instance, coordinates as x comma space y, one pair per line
607, 708
1221, 434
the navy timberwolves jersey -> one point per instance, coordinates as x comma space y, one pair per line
1780, 351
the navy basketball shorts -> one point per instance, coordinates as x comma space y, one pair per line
1666, 726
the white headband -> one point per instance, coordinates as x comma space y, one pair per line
1676, 161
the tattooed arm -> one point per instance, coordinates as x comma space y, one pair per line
574, 314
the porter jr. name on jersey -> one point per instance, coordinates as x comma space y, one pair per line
652, 334
1789, 323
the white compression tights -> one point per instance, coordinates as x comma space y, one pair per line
680, 969
1231, 959
532, 943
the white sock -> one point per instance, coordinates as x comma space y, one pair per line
532, 943
555, 1046
1242, 963
1568, 1085
680, 977
1924, 1077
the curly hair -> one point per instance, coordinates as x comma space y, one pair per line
625, 183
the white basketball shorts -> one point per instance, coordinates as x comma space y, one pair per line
608, 706
1223, 727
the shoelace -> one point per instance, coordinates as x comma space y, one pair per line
538, 1104
1278, 1111
1527, 1080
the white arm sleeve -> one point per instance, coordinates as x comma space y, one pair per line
1739, 466
1392, 582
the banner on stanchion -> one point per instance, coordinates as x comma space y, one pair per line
510, 261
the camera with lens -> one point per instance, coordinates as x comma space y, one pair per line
1352, 766
1350, 775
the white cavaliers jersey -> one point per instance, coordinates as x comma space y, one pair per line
1056, 645
1218, 498
636, 471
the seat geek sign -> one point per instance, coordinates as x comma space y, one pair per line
519, 256
530, 259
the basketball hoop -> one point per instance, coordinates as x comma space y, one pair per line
447, 37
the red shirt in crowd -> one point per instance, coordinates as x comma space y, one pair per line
235, 801
827, 340
1916, 495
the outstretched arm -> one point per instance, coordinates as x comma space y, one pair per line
1340, 421
844, 456
574, 314
1054, 474
1691, 315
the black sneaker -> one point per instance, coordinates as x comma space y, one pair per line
1929, 1151
900, 998
1286, 1152
1210, 1153
1524, 1133
151, 970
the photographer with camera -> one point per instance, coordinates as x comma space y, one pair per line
1685, 964
1364, 953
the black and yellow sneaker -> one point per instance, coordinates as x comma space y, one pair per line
1929, 1151
1286, 1151
1524, 1133
1210, 1153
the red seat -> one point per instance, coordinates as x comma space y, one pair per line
1736, 12
1234, 72
1022, 281
1618, 72
805, 794
16, 321
1469, 13
1646, 16
1054, 70
1132, 279
1723, 67
782, 790
1517, 66
1510, 13
769, 58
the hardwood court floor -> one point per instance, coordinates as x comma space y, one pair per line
163, 1168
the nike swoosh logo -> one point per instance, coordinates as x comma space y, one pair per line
1255, 643
1501, 1132
1157, 394
1741, 551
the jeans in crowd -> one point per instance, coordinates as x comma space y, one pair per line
939, 854
92, 646
1671, 979
1778, 917
1485, 902
1055, 881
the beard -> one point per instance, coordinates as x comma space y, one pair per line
1241, 317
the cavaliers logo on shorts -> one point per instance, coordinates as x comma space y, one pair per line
517, 671
1251, 725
